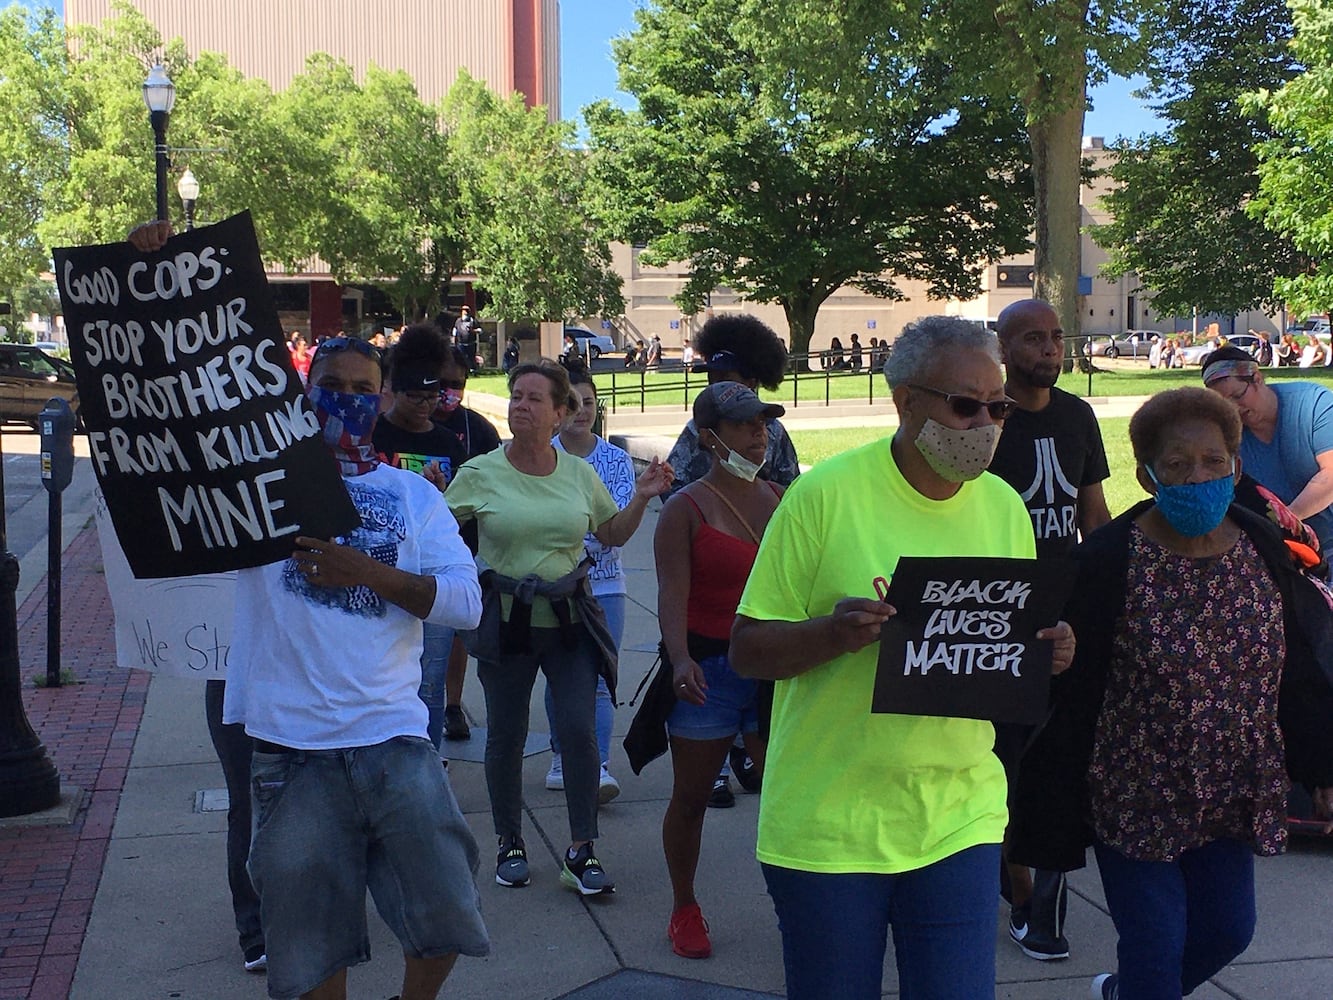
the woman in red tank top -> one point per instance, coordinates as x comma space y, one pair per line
706, 541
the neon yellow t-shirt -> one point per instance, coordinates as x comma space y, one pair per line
845, 790
530, 524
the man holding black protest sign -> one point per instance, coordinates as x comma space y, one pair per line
914, 824
1051, 452
324, 676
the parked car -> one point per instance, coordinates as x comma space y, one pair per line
589, 343
1258, 346
1131, 343
28, 378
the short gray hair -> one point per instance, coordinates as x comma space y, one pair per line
934, 339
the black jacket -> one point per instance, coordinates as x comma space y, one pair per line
1050, 823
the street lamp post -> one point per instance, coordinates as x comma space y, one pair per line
159, 93
188, 188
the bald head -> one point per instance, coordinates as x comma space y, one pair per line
1032, 346
1026, 314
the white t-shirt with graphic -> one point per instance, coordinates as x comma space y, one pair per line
321, 668
615, 468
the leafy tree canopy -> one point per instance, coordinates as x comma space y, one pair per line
786, 150
1179, 210
1295, 196
522, 190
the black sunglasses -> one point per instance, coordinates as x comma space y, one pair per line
967, 407
335, 344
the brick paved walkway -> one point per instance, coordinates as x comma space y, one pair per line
49, 875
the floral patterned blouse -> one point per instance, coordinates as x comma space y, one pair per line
1187, 749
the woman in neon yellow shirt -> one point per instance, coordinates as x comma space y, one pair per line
909, 836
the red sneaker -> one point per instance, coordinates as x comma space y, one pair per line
688, 931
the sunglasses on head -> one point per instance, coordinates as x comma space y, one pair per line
967, 407
335, 344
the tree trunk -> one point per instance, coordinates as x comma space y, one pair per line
801, 310
1057, 157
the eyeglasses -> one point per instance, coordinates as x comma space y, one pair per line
967, 407
1236, 397
422, 398
334, 345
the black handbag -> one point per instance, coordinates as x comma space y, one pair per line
647, 738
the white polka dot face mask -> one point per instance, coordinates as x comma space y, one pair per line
957, 456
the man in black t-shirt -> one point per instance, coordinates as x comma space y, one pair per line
1051, 453
1051, 448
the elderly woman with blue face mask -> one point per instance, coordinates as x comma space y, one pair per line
1204, 678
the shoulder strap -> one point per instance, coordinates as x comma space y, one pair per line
754, 535
697, 509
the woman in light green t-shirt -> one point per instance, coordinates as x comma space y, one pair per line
533, 506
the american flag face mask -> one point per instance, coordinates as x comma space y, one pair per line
347, 419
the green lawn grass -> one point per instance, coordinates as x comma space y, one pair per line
678, 388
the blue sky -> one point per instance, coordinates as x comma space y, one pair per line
588, 72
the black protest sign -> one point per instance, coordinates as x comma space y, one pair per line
963, 643
208, 454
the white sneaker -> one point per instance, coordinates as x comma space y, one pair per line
555, 777
608, 788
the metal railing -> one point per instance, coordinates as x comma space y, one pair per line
632, 385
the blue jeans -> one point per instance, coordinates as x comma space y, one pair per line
614, 606
1180, 922
330, 825
835, 929
436, 642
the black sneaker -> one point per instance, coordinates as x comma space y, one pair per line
511, 865
1106, 987
722, 797
584, 873
742, 766
455, 723
1031, 942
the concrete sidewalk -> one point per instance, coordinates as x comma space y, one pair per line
160, 921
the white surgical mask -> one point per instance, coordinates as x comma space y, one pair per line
737, 464
957, 456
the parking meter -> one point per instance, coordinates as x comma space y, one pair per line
56, 423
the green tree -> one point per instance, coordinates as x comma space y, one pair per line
787, 149
222, 126
1046, 54
382, 189
32, 150
1178, 212
1295, 196
523, 190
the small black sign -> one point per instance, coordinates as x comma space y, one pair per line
206, 449
963, 643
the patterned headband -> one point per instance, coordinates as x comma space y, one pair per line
1229, 368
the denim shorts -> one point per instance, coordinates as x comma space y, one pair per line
731, 705
330, 824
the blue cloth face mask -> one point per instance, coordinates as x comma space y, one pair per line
1195, 509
